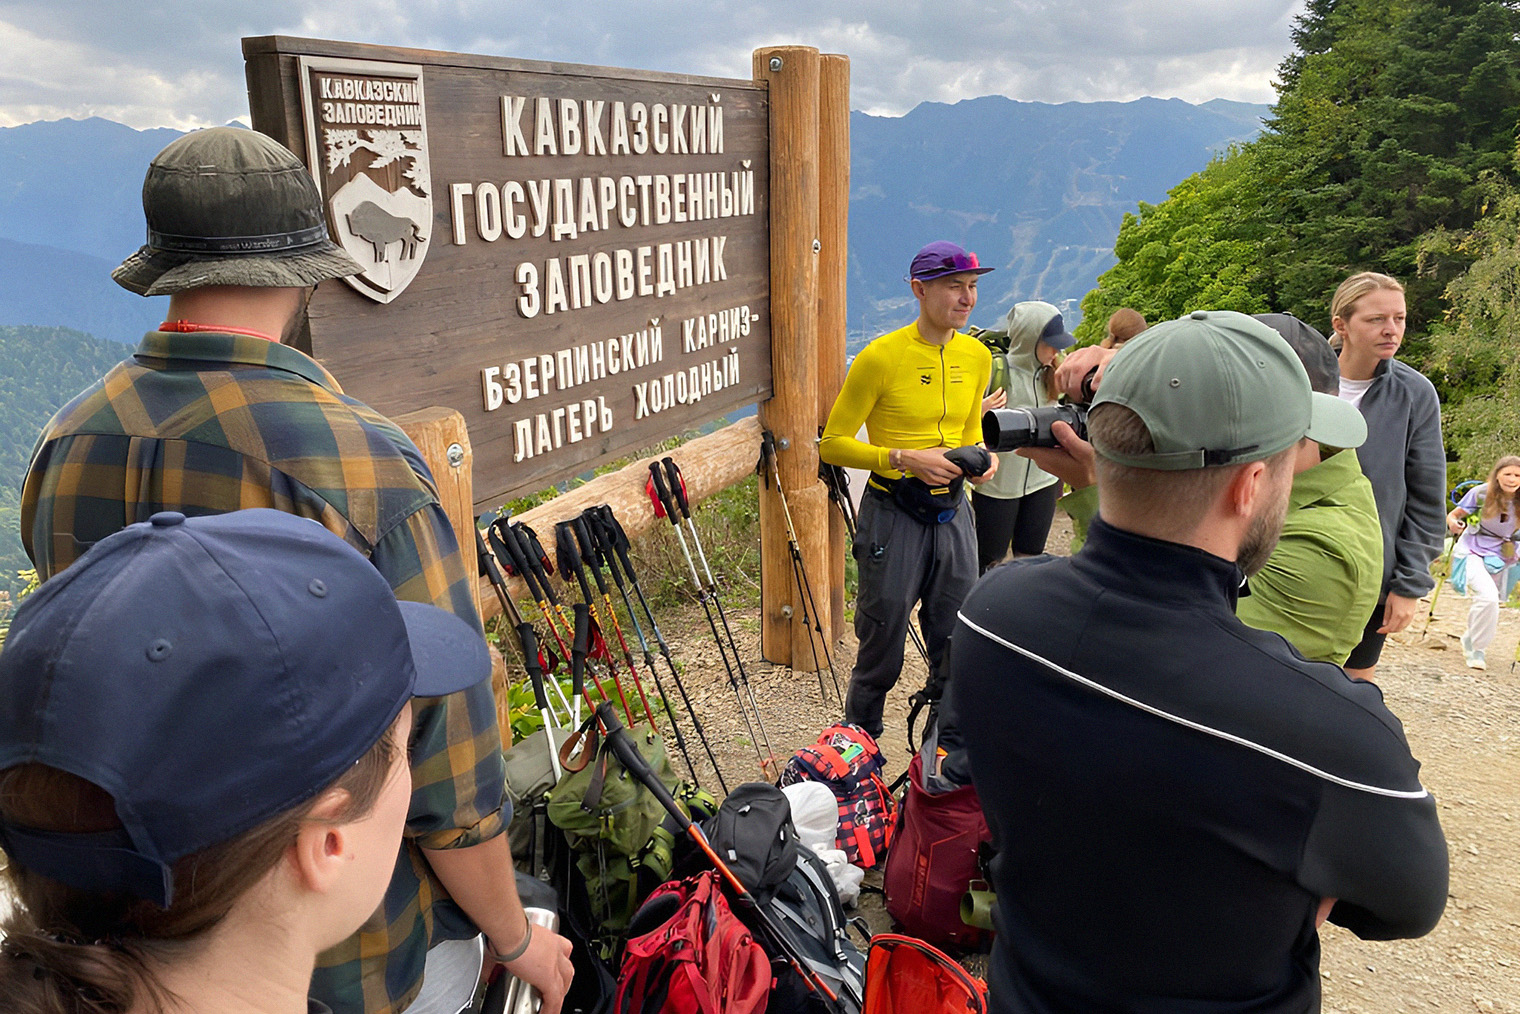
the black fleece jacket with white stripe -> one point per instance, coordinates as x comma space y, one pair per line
1172, 792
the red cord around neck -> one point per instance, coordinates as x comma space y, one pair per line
185, 326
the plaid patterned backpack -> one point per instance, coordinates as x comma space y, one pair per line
847, 760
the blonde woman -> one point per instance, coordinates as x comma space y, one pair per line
1403, 457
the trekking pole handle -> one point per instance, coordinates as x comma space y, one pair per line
602, 539
588, 550
505, 532
537, 560
579, 647
663, 493
677, 485
570, 556
617, 538
529, 638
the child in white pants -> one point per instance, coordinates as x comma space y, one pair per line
1485, 553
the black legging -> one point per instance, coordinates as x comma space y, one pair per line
1022, 521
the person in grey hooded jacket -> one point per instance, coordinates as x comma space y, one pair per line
1016, 506
1403, 457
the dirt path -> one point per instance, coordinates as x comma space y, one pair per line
1463, 725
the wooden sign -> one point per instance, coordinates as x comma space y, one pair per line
574, 258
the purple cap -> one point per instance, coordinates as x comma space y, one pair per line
943, 257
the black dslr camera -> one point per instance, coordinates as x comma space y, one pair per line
1004, 429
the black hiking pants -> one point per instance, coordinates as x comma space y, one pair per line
903, 562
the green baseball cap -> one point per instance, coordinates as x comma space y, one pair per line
1220, 388
227, 206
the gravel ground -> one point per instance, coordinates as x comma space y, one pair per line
1463, 725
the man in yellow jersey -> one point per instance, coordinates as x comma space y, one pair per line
918, 392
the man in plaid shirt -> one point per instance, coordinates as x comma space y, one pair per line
215, 413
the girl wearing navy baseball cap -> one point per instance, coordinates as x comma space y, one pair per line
203, 773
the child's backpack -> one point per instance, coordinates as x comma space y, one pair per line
934, 859
689, 954
908, 976
847, 760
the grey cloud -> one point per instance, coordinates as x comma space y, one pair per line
181, 63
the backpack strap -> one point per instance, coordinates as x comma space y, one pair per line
838, 766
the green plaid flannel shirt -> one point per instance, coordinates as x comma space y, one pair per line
206, 423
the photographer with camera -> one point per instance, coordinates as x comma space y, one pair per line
1014, 510
1325, 569
1178, 800
918, 393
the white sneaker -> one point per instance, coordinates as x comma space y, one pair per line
1475, 660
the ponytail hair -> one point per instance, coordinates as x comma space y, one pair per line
69, 951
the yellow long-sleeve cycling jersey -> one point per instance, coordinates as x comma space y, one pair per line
909, 393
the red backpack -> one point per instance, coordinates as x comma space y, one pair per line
699, 960
908, 976
849, 762
934, 860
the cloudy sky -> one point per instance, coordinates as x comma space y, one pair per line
177, 63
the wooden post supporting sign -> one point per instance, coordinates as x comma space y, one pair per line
792, 73
444, 442
833, 234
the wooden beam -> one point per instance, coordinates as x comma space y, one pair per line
792, 412
710, 464
834, 235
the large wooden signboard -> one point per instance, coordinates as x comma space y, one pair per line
574, 258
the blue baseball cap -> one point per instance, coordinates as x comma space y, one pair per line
209, 673
942, 258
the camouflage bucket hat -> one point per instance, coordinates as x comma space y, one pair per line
227, 206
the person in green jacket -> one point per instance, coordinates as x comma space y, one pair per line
1327, 568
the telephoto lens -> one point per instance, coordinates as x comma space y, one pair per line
1005, 429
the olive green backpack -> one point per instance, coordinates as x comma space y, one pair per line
997, 344
622, 837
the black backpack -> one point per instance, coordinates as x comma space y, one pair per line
807, 908
752, 832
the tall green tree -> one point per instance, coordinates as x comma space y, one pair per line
1475, 351
1390, 115
1197, 249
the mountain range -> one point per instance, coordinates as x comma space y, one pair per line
1037, 190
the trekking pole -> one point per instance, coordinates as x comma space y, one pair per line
616, 738
838, 485
538, 560
839, 491
580, 644
1455, 496
667, 507
1441, 578
612, 543
676, 485
567, 554
595, 559
505, 540
533, 660
799, 571
531, 569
